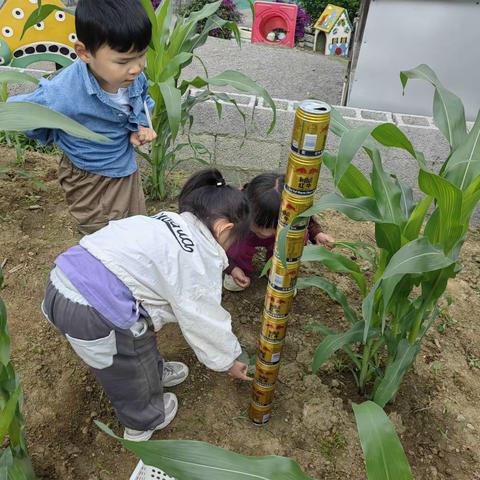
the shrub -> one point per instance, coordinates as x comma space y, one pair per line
228, 11
315, 7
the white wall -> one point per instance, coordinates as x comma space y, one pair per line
399, 35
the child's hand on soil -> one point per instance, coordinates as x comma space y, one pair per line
143, 136
324, 239
240, 278
239, 370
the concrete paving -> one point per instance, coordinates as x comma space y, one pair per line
286, 73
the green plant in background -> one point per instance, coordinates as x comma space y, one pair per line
228, 11
315, 7
174, 41
417, 253
15, 462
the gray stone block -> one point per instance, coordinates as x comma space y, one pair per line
253, 155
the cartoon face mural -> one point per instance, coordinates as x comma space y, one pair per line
50, 40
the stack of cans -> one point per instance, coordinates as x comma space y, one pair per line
310, 130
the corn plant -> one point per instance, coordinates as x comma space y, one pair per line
418, 241
14, 460
174, 41
202, 461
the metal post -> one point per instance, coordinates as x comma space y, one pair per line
310, 129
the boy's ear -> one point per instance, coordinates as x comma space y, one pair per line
82, 52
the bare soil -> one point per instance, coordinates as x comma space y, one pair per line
436, 413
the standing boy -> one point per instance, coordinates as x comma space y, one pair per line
105, 91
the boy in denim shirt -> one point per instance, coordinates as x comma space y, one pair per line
105, 91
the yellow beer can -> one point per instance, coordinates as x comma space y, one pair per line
274, 329
293, 246
283, 279
266, 374
292, 205
268, 351
302, 175
310, 128
277, 304
259, 414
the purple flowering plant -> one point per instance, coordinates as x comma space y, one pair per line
303, 19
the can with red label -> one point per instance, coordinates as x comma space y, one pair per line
260, 414
268, 351
266, 374
262, 394
294, 246
310, 128
302, 175
278, 304
274, 329
283, 279
292, 205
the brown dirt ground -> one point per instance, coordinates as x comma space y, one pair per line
436, 412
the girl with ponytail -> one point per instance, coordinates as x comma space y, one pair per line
110, 294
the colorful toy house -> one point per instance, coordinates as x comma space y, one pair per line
50, 40
333, 31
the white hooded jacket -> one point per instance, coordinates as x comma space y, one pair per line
173, 266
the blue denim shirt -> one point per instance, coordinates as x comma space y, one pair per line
75, 92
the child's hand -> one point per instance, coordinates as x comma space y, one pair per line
143, 136
324, 239
239, 370
240, 278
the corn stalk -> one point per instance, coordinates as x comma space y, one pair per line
15, 462
174, 41
418, 252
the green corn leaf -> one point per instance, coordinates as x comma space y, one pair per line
242, 83
17, 77
353, 183
173, 103
201, 461
38, 15
417, 217
471, 197
387, 192
267, 267
172, 68
448, 110
352, 140
395, 371
388, 236
464, 163
332, 291
362, 209
446, 228
29, 116
407, 202
147, 5
338, 124
8, 413
418, 256
361, 249
332, 343
336, 263
383, 452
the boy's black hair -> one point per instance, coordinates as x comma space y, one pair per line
209, 198
123, 25
264, 194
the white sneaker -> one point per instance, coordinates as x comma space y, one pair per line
171, 407
174, 373
230, 284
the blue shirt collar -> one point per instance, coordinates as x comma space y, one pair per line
94, 88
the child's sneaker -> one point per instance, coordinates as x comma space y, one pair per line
230, 284
171, 407
174, 373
